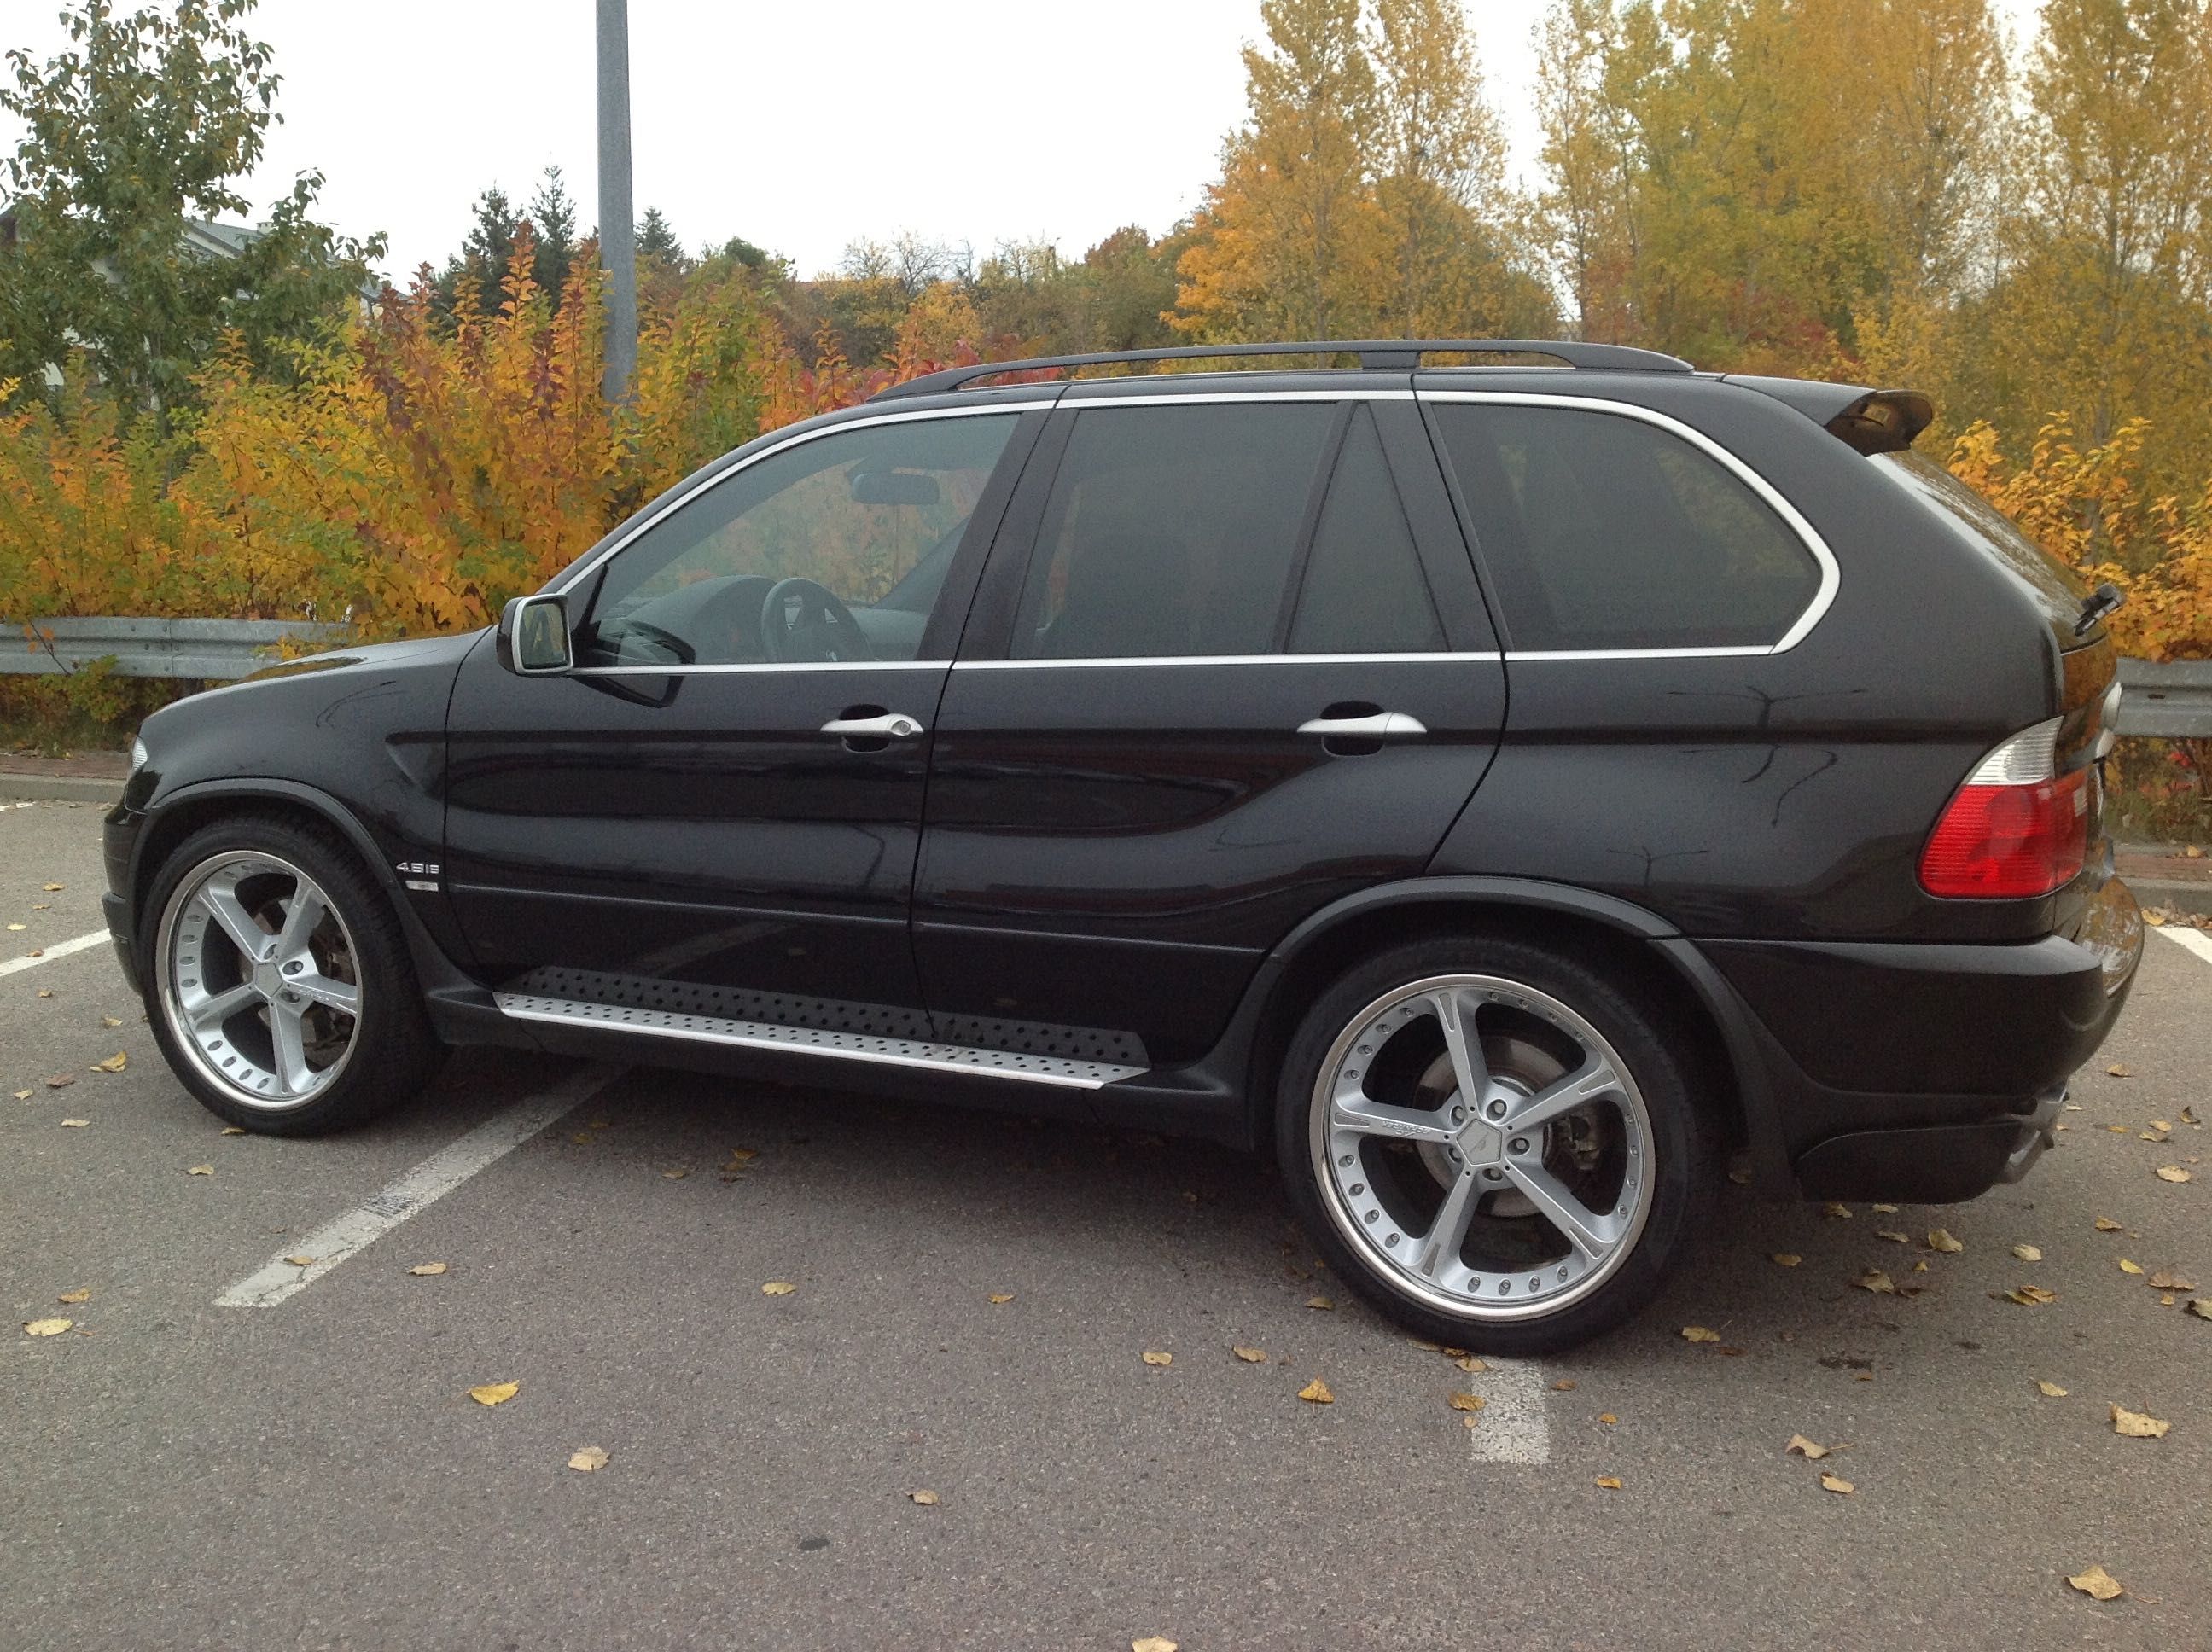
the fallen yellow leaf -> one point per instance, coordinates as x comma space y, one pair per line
47, 1327
2127, 1267
1837, 1484
23, 1095
2121, 1070
676, 1174
1941, 1239
1158, 1356
1607, 1482
1469, 1362
52, 888
2165, 1279
1839, 1212
1001, 1297
426, 1270
1699, 1333
1894, 1237
741, 1156
2050, 1390
1565, 1385
2199, 1307
2155, 1124
926, 1499
1152, 1643
74, 1297
1321, 1303
201, 1171
116, 1021
2138, 1425
778, 1288
2171, 1173
115, 1062
495, 1393
2117, 1129
2105, 1224
586, 1459
1459, 1401
2027, 1253
1883, 1210
1317, 1392
301, 1261
74, 1124
2031, 1296
61, 1081
1805, 1448
232, 1130
18, 926
1607, 1418
1875, 1281
2098, 1584
1786, 1258
1251, 1356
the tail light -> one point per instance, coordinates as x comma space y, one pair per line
2016, 829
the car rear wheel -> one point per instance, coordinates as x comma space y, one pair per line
279, 985
1491, 1144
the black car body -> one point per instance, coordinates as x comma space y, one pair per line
1152, 706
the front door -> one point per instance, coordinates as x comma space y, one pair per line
1231, 663
716, 812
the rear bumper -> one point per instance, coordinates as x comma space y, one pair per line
1923, 1074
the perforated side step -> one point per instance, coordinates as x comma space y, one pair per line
816, 1041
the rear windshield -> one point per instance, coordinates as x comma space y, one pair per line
2054, 587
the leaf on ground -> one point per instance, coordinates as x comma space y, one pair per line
1894, 1238
2027, 1253
232, 1130
1805, 1448
115, 1062
1837, 1484
2049, 1390
2171, 1173
46, 1327
2189, 1115
998, 1298
676, 1174
2105, 1224
1317, 1392
1607, 1482
1321, 1302
1699, 1333
74, 1124
741, 1156
201, 1171
116, 1021
18, 926
2138, 1425
1838, 1212
495, 1393
1470, 1362
778, 1288
2098, 1584
587, 1459
52, 888
1459, 1400
426, 1270
926, 1499
2199, 1307
61, 1081
1875, 1281
24, 1095
1786, 1258
301, 1261
1941, 1239
1152, 1643
1607, 1418
1251, 1356
2166, 1279
2159, 1124
2117, 1129
2031, 1296
2153, 1135
1883, 1210
75, 1296
1565, 1385
2127, 1267
1158, 1356
2121, 1070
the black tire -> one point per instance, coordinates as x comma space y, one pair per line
391, 1052
1674, 1140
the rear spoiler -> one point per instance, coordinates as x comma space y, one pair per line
1869, 421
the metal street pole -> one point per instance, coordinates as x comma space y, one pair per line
618, 222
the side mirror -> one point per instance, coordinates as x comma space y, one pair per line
533, 637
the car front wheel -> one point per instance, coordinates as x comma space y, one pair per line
279, 982
1491, 1144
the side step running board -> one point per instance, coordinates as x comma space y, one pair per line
816, 1041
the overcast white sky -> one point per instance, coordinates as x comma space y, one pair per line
800, 127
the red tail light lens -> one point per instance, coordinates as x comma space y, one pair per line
2011, 832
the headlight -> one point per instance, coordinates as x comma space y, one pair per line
137, 756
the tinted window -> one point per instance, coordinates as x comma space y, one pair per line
1171, 531
1363, 591
2056, 587
871, 516
1602, 532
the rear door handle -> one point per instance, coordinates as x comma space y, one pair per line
892, 725
1378, 725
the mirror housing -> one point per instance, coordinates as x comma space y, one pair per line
533, 637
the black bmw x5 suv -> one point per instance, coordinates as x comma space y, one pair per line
1503, 793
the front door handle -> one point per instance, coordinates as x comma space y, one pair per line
890, 725
1378, 725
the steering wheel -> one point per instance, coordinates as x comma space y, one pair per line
684, 652
801, 620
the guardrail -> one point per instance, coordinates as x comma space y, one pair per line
207, 650
2169, 699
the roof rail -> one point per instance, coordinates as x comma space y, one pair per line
1375, 355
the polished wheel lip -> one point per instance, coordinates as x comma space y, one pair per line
1398, 1265
280, 951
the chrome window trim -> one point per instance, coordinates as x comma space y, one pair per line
733, 667
1824, 559
1107, 662
670, 504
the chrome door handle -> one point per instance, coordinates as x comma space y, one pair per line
1380, 725
892, 725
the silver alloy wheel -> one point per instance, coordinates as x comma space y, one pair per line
1482, 1146
257, 976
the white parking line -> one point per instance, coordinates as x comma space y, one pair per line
427, 1182
1512, 1427
59, 949
2196, 940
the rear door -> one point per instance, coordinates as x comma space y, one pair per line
1229, 663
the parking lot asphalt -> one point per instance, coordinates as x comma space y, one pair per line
313, 1473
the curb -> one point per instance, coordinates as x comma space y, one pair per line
59, 788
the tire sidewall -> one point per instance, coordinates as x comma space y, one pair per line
1681, 1170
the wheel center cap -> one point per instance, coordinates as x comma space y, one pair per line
1482, 1143
268, 980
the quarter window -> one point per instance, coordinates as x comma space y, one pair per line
1602, 532
866, 520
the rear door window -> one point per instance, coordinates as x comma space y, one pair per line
1601, 532
1364, 592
